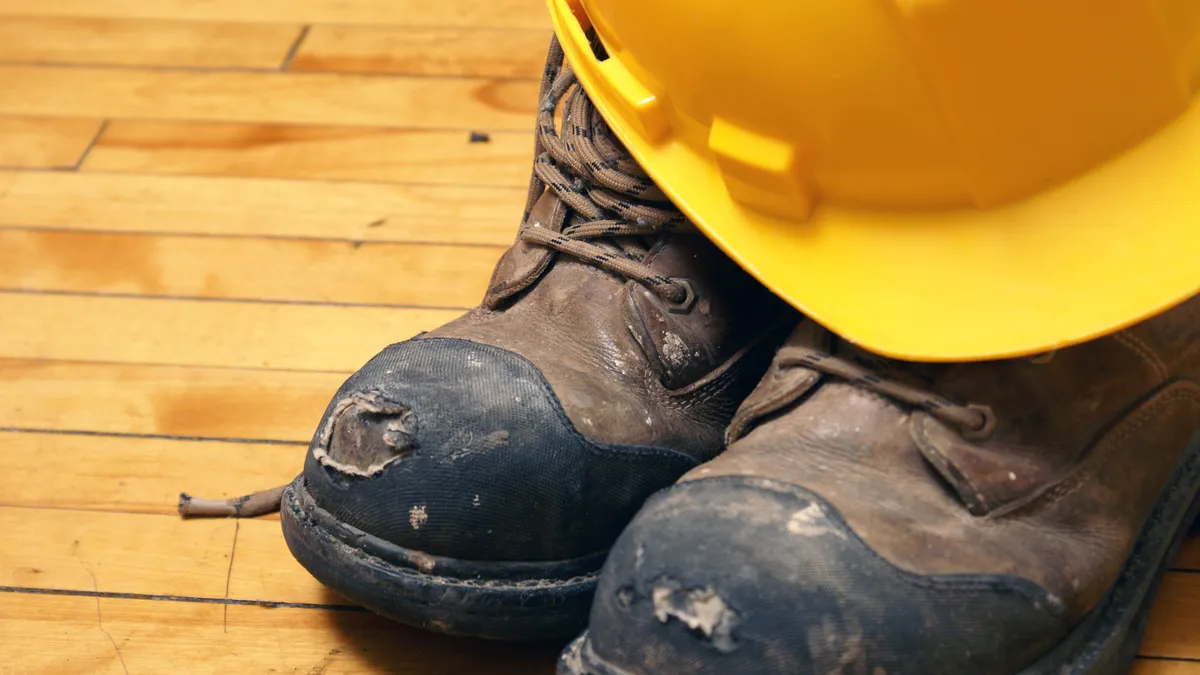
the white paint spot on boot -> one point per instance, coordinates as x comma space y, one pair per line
417, 516
674, 351
810, 521
702, 610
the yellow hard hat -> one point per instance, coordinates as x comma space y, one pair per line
932, 179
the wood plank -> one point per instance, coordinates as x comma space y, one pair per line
115, 552
151, 554
337, 153
118, 636
1172, 632
299, 98
242, 268
173, 401
134, 475
473, 52
100, 41
205, 334
1165, 667
491, 14
45, 142
259, 207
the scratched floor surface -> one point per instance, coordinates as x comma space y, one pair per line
210, 213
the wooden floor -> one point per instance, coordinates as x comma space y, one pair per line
210, 213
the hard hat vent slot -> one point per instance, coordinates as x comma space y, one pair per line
598, 49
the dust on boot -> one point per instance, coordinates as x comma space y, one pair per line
471, 480
875, 516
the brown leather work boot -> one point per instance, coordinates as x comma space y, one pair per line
873, 517
472, 479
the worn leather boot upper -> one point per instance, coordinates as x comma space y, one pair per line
611, 350
874, 516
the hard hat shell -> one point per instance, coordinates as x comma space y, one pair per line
932, 179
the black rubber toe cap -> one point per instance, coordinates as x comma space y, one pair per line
751, 576
462, 450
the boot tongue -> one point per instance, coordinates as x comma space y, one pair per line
524, 263
781, 386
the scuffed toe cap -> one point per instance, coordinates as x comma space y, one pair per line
751, 576
460, 449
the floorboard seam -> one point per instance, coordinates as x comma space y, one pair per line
256, 301
269, 604
165, 437
500, 248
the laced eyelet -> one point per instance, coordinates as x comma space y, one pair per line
985, 431
689, 298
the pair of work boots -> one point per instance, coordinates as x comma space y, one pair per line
629, 416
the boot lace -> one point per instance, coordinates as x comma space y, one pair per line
973, 421
617, 209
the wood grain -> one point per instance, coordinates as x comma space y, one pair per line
491, 14
118, 636
115, 552
124, 42
207, 334
472, 52
241, 268
44, 142
134, 475
260, 207
174, 401
337, 153
297, 98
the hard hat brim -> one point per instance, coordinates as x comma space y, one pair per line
1081, 260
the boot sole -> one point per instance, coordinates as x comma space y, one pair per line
491, 600
1106, 642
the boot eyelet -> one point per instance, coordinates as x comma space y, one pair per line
689, 299
989, 424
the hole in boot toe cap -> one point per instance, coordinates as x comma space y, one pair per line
701, 611
365, 433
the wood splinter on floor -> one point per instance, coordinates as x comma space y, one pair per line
248, 506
